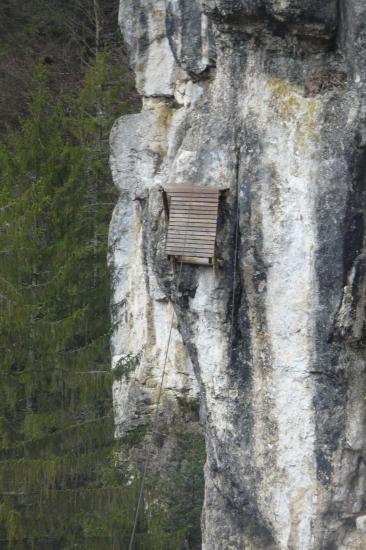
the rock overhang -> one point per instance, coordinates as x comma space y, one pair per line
301, 17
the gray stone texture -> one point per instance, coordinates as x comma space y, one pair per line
266, 98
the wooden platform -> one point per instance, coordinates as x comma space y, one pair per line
192, 213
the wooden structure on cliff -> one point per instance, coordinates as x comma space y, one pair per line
192, 213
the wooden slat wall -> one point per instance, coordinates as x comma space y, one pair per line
192, 222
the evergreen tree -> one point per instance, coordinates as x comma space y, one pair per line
56, 424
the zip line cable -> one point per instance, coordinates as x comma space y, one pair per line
236, 249
148, 456
149, 452
234, 281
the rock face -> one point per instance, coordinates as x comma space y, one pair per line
266, 98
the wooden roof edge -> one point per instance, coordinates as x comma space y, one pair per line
190, 189
198, 260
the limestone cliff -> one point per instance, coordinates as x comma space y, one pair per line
267, 98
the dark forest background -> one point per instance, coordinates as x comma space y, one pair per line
64, 480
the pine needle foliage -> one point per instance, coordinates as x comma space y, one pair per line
62, 35
56, 416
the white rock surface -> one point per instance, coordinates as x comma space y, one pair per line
280, 376
361, 524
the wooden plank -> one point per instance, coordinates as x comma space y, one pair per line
175, 238
204, 246
190, 213
192, 238
191, 235
205, 250
180, 233
205, 253
190, 200
192, 218
199, 232
194, 212
198, 253
197, 246
196, 240
192, 230
189, 216
190, 189
186, 218
183, 246
181, 225
189, 252
190, 222
191, 209
180, 205
194, 201
193, 196
193, 206
179, 250
195, 192
191, 243
196, 207
206, 191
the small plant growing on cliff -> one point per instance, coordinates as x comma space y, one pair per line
125, 365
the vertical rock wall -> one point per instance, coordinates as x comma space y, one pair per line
267, 98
